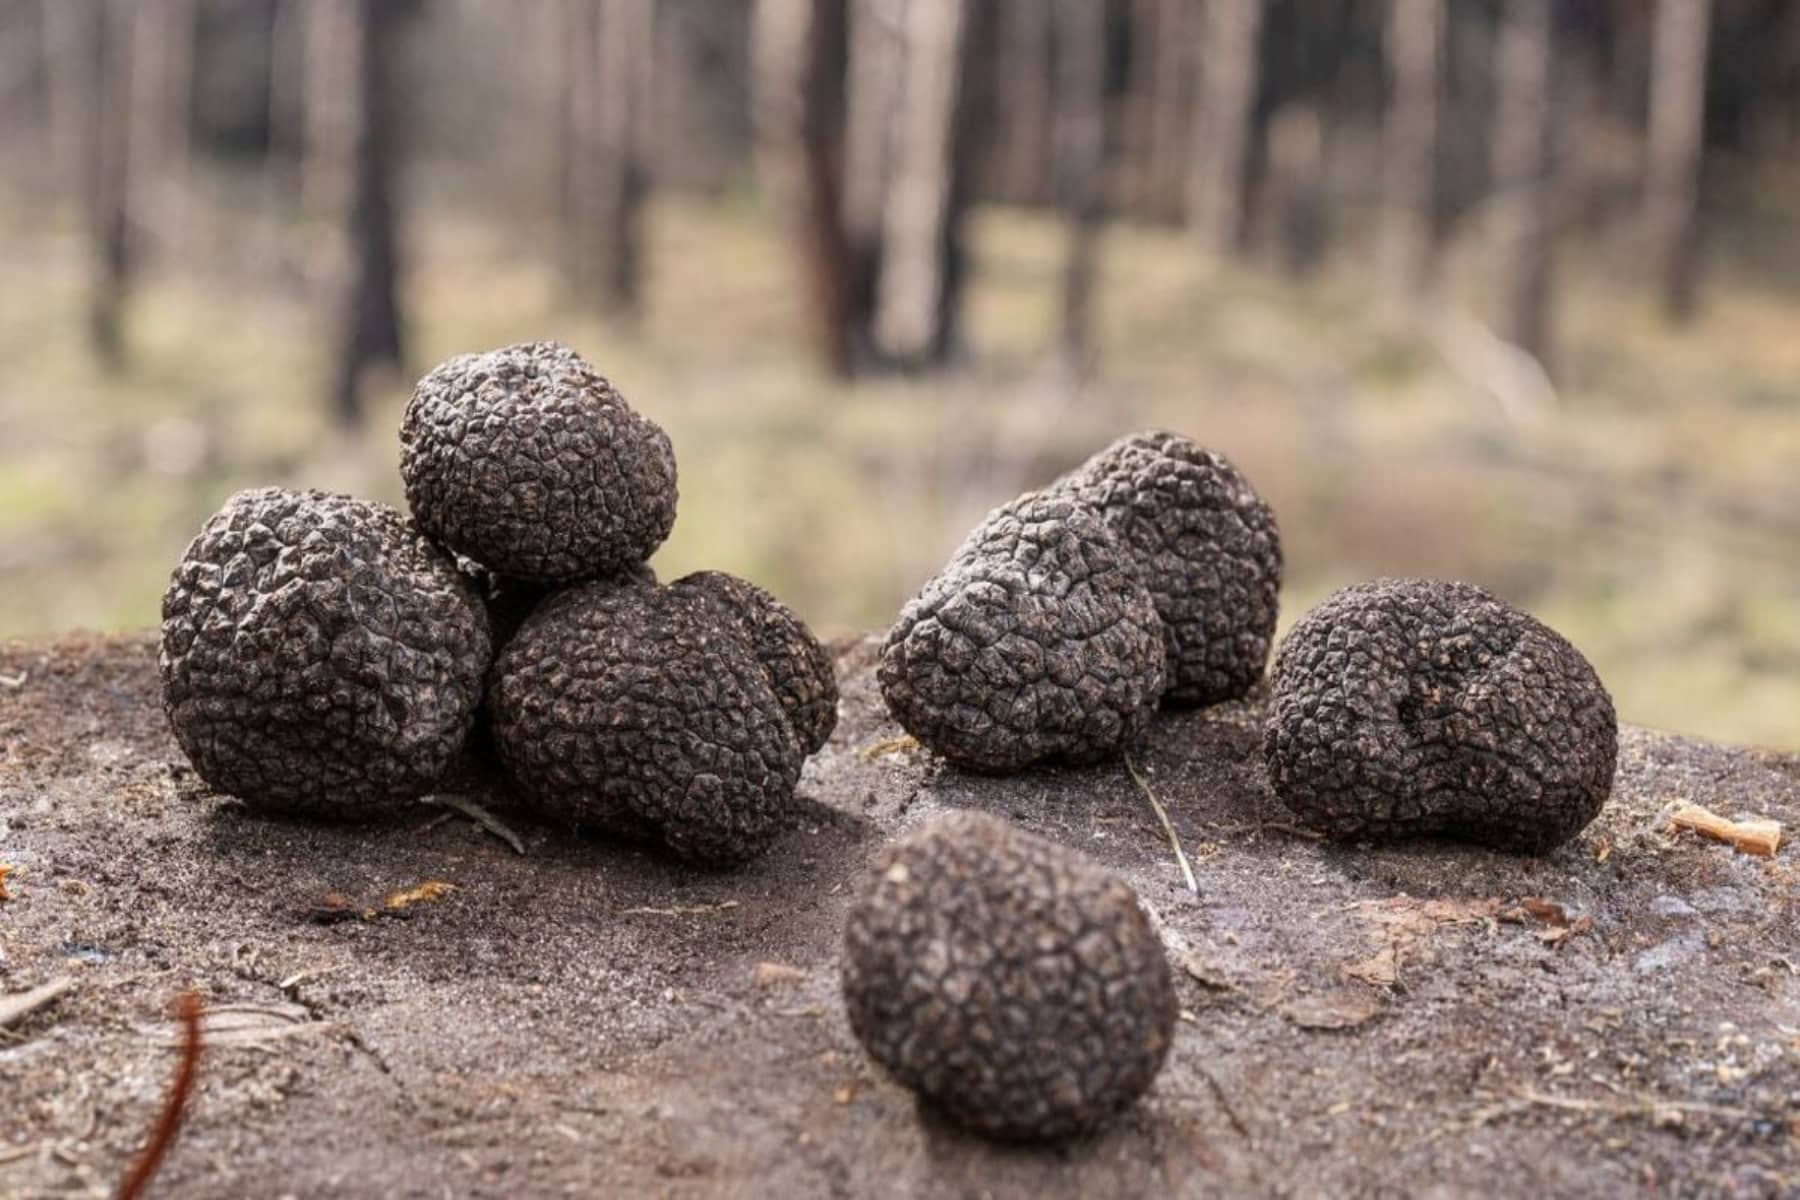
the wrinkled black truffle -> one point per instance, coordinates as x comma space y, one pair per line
1413, 707
797, 666
318, 654
1205, 545
1010, 981
641, 713
1037, 642
526, 460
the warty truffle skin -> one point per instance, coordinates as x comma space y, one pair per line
797, 666
319, 655
1410, 707
1206, 546
637, 712
529, 462
1036, 642
1010, 981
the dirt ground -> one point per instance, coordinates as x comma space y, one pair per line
595, 1019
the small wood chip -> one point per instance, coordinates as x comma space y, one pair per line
15, 1008
893, 745
424, 893
1758, 836
774, 974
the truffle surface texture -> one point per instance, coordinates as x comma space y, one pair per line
637, 712
318, 654
1207, 547
797, 666
1010, 981
1409, 707
1036, 642
529, 462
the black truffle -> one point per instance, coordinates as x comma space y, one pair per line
796, 664
318, 654
639, 712
1414, 707
1037, 642
1010, 981
526, 460
1205, 545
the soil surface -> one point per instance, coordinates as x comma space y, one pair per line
593, 1018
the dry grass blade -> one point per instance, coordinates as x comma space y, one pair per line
481, 817
16, 1008
1187, 870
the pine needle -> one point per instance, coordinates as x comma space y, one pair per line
1187, 870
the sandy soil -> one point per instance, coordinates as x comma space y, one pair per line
591, 1018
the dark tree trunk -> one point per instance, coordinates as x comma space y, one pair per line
1026, 102
1414, 41
1520, 210
369, 331
1080, 145
611, 46
800, 55
1677, 113
101, 37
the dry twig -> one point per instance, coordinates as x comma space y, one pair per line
14, 1009
168, 1122
1759, 837
1187, 870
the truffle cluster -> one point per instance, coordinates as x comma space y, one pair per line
1412, 707
1011, 982
327, 655
1149, 573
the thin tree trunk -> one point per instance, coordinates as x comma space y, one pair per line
109, 166
1026, 101
914, 306
1677, 113
1521, 230
1171, 57
329, 105
162, 53
799, 57
611, 45
1229, 40
1295, 185
1080, 160
1415, 36
875, 60
370, 317
70, 78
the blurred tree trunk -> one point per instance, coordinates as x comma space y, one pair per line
1026, 100
1414, 41
1677, 114
1166, 43
1230, 35
876, 56
1296, 185
109, 176
799, 81
612, 46
162, 53
369, 320
916, 300
1519, 209
329, 88
1080, 158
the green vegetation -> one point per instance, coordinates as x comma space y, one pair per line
1652, 515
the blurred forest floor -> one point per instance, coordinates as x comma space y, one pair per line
1652, 512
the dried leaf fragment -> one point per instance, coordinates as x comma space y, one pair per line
424, 893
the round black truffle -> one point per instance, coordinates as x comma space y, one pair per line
318, 654
1205, 545
1037, 642
796, 664
638, 712
1010, 981
529, 462
1413, 707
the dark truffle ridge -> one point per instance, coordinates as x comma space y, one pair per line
1412, 707
1205, 545
318, 654
1008, 980
1037, 641
526, 460
642, 713
796, 664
